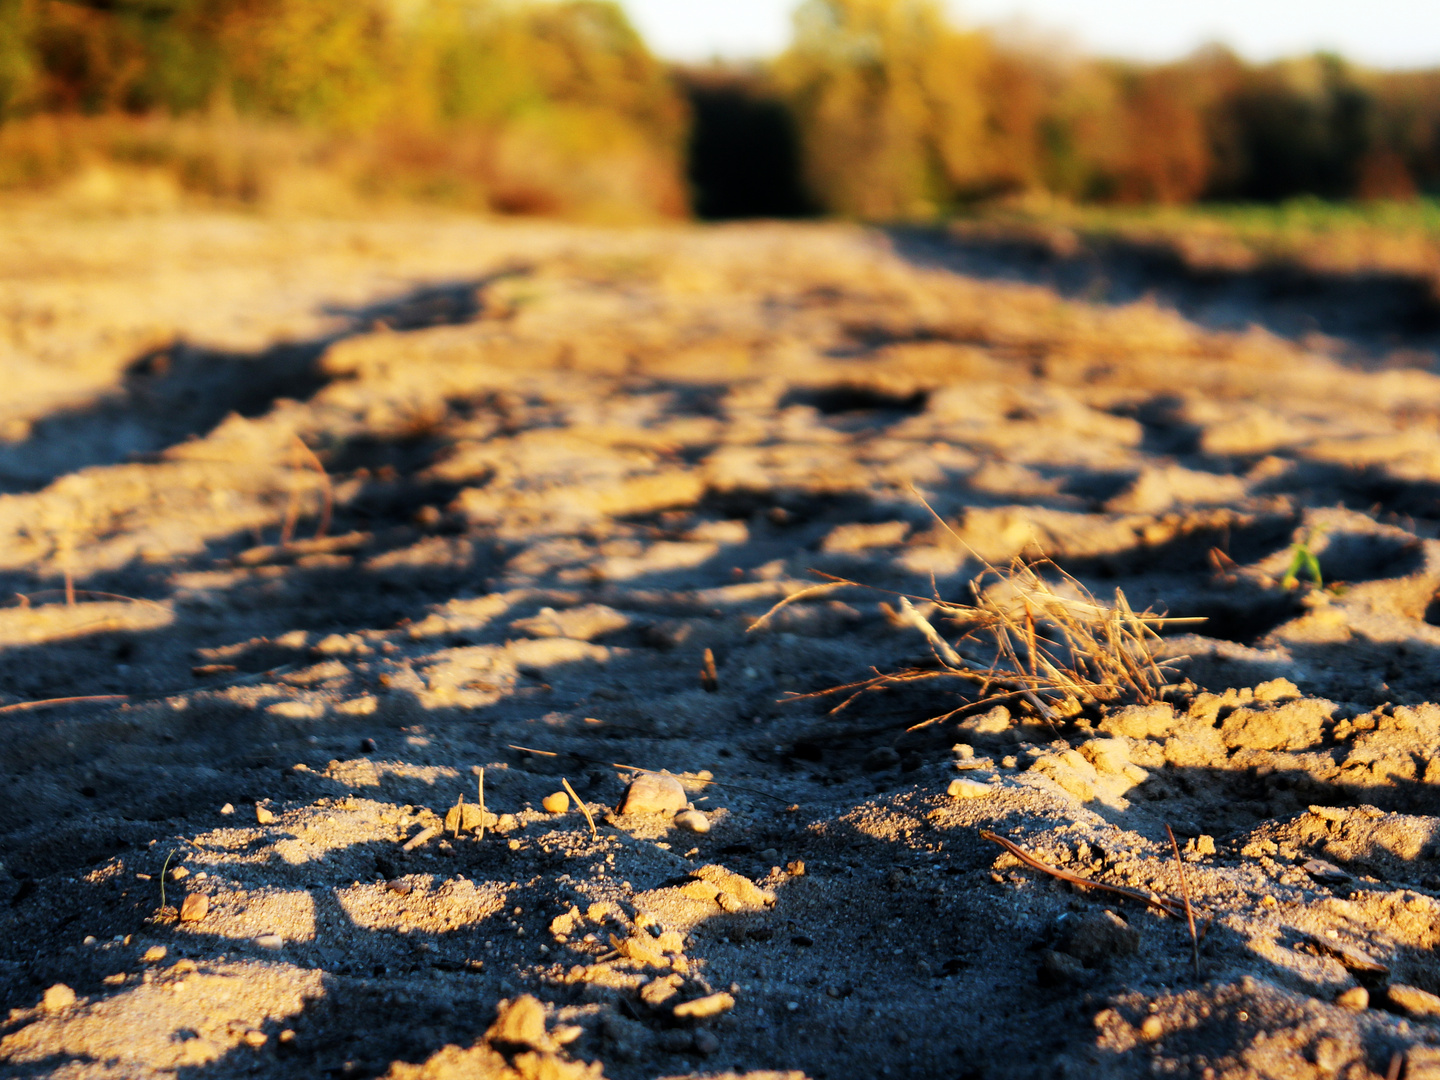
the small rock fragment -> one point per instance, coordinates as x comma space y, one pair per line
195, 907
734, 885
1357, 998
270, 942
179, 874
1094, 937
521, 1023
706, 1043
654, 793
962, 788
693, 820
367, 746
1413, 1000
264, 815
58, 998
423, 836
556, 802
399, 886
228, 808
254, 1038
882, 758
154, 954
1151, 1028
709, 1005
1059, 969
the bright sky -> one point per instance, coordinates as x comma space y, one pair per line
1380, 33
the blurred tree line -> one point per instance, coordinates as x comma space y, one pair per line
902, 114
518, 106
880, 109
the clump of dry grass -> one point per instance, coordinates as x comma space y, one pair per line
1032, 635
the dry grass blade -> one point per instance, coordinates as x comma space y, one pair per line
1185, 895
1033, 633
583, 808
300, 456
1170, 907
25, 706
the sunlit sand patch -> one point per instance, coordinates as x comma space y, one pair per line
183, 1015
246, 914
422, 902
35, 625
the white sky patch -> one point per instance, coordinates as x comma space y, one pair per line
1380, 33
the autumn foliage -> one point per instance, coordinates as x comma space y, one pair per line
880, 109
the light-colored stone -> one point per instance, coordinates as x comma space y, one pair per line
58, 998
654, 793
556, 802
1413, 1000
195, 907
1357, 998
264, 815
270, 942
154, 954
707, 1006
521, 1023
693, 820
963, 788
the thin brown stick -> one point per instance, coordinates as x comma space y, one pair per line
1397, 1059
1170, 907
480, 786
583, 808
292, 504
25, 706
1185, 895
327, 490
27, 598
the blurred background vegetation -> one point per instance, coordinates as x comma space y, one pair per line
879, 110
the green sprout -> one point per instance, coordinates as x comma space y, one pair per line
1302, 559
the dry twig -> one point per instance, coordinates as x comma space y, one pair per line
1170, 907
1185, 895
583, 808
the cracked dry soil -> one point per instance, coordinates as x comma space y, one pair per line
561, 464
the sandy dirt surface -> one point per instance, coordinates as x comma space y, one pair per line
326, 519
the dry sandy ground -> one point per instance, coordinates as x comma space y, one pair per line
563, 465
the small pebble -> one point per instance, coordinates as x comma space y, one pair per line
367, 746
700, 1008
272, 942
1414, 1001
58, 998
255, 1039
1357, 999
694, 820
154, 954
89, 939
399, 887
179, 874
706, 1043
264, 815
654, 793
961, 788
1151, 1028
796, 868
195, 907
556, 803
228, 808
